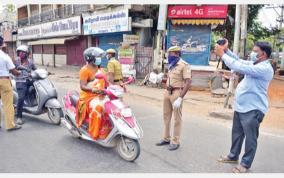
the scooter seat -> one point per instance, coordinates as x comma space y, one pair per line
74, 99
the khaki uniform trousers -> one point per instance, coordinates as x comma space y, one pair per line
168, 112
6, 94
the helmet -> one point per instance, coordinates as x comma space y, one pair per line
174, 49
111, 51
91, 53
23, 48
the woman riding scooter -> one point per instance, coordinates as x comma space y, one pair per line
22, 84
90, 104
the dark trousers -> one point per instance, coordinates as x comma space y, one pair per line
22, 90
245, 125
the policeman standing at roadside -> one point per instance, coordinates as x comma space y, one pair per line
114, 68
178, 83
6, 90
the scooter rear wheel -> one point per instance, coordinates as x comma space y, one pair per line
128, 149
55, 114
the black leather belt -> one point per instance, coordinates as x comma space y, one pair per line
174, 88
117, 80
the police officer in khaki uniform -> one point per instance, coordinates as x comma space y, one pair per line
178, 83
6, 90
114, 68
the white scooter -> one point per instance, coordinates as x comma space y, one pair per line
41, 97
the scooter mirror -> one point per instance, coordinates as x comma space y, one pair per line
130, 79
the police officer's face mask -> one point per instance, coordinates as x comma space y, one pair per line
172, 59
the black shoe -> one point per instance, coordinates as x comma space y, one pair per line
15, 128
162, 142
20, 121
173, 147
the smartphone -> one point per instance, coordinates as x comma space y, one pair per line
221, 42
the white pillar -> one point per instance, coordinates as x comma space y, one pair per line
89, 41
29, 13
39, 12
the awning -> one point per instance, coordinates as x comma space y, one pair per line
51, 41
198, 21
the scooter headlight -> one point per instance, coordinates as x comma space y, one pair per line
42, 73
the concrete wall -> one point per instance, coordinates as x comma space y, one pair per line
37, 59
60, 60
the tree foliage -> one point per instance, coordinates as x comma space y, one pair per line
254, 28
9, 7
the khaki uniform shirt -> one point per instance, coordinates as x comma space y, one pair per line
178, 74
114, 67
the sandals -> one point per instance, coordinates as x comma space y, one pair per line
225, 159
239, 169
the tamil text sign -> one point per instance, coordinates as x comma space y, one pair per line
65, 27
110, 22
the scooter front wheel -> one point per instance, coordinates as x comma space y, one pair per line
55, 114
128, 149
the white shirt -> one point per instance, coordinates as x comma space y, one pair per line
6, 64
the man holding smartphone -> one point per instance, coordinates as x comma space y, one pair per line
251, 100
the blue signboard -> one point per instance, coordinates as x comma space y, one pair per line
109, 41
194, 40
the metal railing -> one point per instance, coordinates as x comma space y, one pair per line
23, 22
78, 9
47, 16
34, 19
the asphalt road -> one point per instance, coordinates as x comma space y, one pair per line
42, 147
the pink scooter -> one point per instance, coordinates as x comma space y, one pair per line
125, 130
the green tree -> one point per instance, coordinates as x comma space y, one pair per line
9, 7
227, 30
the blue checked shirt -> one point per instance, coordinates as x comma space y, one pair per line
251, 92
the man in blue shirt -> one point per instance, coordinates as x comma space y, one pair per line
251, 100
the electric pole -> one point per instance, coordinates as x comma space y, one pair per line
236, 51
244, 18
237, 29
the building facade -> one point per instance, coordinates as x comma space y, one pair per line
59, 33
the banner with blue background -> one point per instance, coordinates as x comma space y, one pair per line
194, 40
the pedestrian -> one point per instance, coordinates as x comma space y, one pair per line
22, 82
178, 83
251, 101
6, 90
114, 68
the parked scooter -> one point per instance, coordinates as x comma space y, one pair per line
154, 79
41, 97
125, 130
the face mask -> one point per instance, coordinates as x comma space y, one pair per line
171, 59
253, 56
22, 55
98, 61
